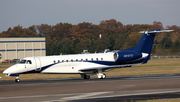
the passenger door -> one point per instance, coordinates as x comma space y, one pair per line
38, 64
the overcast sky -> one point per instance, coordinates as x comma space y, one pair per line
36, 12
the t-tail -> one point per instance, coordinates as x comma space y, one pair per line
142, 51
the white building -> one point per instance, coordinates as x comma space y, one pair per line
20, 47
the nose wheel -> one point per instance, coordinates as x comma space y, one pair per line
17, 80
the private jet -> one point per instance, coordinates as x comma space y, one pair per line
87, 64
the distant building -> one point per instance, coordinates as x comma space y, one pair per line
20, 47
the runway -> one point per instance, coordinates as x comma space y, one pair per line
76, 89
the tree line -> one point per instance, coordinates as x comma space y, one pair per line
110, 34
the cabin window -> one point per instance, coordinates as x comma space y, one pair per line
22, 62
71, 60
58, 61
76, 60
101, 58
81, 60
66, 60
29, 62
86, 59
54, 61
91, 59
97, 59
62, 60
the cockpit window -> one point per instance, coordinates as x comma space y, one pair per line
29, 62
22, 61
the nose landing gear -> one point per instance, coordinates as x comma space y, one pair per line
14, 75
17, 80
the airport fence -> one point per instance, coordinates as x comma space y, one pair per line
170, 56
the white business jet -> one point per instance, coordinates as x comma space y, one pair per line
87, 64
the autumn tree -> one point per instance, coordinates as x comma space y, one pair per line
119, 42
83, 45
166, 43
175, 47
43, 29
67, 38
101, 44
17, 31
84, 31
132, 39
5, 35
156, 25
111, 27
60, 30
50, 46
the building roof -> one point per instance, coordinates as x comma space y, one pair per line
22, 39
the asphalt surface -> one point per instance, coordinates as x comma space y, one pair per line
124, 88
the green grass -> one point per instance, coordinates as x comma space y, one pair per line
154, 66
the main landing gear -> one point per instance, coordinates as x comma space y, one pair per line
102, 76
99, 72
85, 76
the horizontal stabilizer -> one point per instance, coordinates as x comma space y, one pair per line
155, 31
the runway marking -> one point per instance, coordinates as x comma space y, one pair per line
121, 93
1, 98
82, 96
79, 96
141, 93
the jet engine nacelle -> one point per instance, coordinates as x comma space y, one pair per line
127, 55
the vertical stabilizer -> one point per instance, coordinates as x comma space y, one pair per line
146, 42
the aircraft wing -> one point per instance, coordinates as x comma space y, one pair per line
104, 68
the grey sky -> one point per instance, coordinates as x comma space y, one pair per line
36, 12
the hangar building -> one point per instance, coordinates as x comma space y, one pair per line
20, 47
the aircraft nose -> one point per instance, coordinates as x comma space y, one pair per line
15, 69
10, 70
7, 71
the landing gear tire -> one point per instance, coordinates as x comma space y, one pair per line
17, 80
86, 76
103, 76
